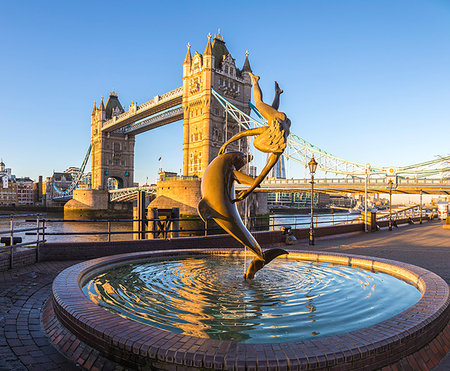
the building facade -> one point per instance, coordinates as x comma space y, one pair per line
112, 153
8, 186
24, 191
206, 125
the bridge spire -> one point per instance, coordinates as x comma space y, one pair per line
188, 58
246, 67
94, 110
102, 106
208, 49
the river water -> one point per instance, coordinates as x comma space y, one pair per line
53, 225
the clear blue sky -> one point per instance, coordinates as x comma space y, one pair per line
368, 81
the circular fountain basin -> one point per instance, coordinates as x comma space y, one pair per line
289, 300
311, 310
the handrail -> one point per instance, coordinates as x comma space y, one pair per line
37, 231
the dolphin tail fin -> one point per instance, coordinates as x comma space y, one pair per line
203, 209
257, 263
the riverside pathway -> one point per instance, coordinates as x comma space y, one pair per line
24, 345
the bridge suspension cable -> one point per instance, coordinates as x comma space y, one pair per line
301, 151
68, 192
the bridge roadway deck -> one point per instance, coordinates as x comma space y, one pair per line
159, 103
403, 186
25, 346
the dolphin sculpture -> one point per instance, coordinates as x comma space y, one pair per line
218, 202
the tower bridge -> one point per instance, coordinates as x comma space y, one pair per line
214, 104
205, 123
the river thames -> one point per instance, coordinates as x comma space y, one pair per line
69, 229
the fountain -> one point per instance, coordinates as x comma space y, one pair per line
191, 309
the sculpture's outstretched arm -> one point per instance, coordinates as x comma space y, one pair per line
273, 158
245, 133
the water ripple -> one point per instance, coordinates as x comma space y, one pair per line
289, 300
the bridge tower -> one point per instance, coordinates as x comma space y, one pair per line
206, 125
112, 153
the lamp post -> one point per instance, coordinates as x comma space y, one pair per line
312, 169
365, 198
390, 184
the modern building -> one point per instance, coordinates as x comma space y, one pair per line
279, 170
8, 187
297, 199
85, 178
53, 185
343, 201
24, 191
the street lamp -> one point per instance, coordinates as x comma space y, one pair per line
365, 198
312, 169
390, 185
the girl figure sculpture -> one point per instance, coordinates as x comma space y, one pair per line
270, 139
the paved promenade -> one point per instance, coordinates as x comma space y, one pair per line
426, 245
25, 346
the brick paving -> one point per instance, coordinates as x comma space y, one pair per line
426, 245
24, 344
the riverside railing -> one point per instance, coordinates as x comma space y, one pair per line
272, 222
12, 241
405, 213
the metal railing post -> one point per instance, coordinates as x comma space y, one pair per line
37, 238
11, 248
206, 227
420, 216
109, 230
43, 230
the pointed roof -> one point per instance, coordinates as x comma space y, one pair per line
94, 110
219, 49
102, 106
111, 104
246, 67
188, 58
208, 49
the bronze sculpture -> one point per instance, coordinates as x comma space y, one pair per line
270, 139
217, 188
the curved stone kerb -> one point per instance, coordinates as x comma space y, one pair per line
133, 343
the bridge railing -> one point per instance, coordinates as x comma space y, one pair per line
12, 241
151, 103
107, 229
371, 181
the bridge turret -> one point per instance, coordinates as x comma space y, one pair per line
101, 110
112, 152
206, 126
94, 110
246, 67
113, 105
187, 61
